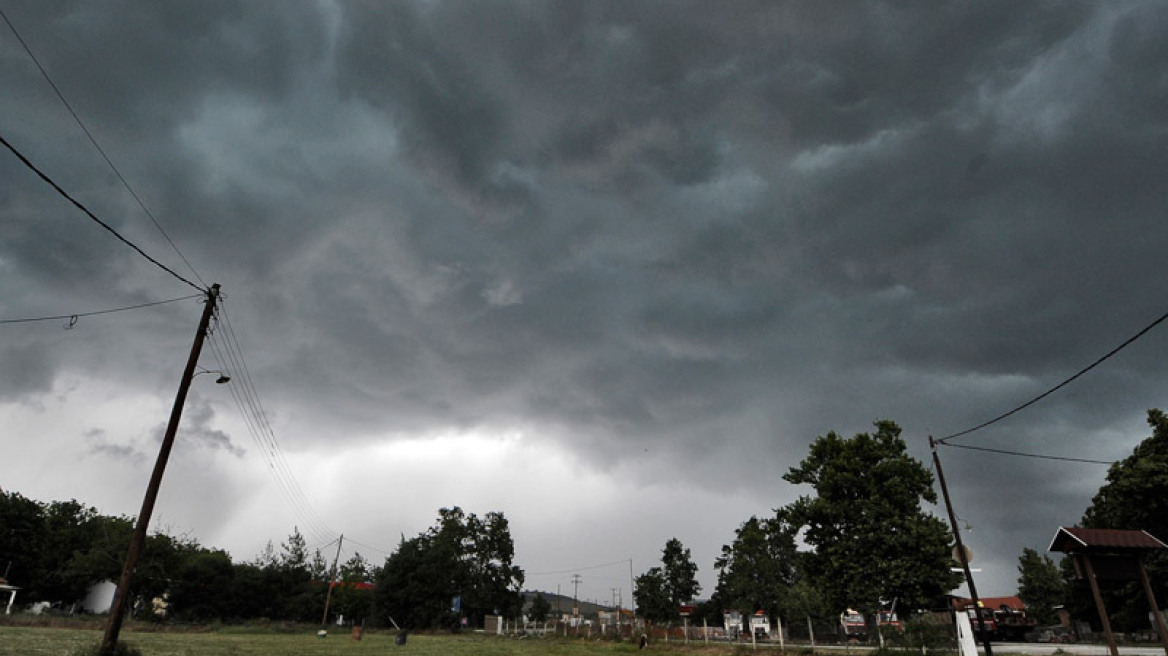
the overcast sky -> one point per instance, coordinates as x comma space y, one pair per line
606, 267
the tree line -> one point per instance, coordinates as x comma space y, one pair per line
869, 541
55, 552
873, 544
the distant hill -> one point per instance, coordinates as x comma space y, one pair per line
564, 604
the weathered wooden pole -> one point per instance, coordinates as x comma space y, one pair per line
1157, 618
138, 539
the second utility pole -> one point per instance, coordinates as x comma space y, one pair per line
332, 577
985, 636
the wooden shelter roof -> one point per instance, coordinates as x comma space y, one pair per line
1104, 540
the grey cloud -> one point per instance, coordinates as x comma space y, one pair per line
100, 445
675, 232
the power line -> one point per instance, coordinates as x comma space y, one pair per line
227, 351
93, 141
91, 215
255, 420
1028, 455
270, 435
73, 317
371, 548
577, 569
944, 440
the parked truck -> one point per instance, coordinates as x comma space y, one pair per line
760, 626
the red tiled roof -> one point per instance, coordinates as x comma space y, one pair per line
1073, 538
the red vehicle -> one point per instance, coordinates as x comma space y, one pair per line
1005, 618
856, 625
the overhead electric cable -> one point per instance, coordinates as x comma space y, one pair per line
305, 516
268, 433
944, 440
1029, 455
361, 544
91, 215
101, 151
256, 423
97, 312
577, 569
227, 351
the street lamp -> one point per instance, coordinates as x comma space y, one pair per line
223, 378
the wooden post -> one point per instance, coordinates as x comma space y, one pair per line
1157, 618
1090, 572
138, 539
985, 635
332, 577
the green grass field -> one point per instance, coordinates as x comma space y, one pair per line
36, 641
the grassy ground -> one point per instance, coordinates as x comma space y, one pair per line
55, 641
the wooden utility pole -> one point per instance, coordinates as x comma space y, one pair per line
1157, 616
985, 636
1089, 574
576, 579
632, 597
118, 610
332, 577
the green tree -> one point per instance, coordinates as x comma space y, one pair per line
22, 539
105, 555
681, 582
1040, 586
494, 582
254, 593
161, 564
652, 597
300, 596
461, 557
416, 586
198, 593
757, 570
872, 541
318, 569
294, 553
540, 609
351, 597
802, 603
1132, 498
70, 529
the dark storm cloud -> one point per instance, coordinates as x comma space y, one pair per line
693, 235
